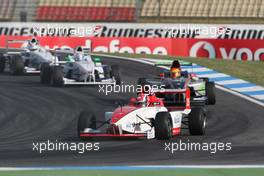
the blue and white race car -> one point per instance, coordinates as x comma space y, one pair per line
26, 59
78, 67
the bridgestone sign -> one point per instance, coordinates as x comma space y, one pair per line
241, 42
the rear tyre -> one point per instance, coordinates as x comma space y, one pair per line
2, 63
86, 120
145, 86
163, 126
197, 121
115, 74
142, 81
45, 73
107, 71
57, 77
17, 65
210, 93
97, 76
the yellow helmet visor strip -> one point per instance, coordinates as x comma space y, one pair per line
175, 72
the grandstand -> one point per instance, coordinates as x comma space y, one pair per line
208, 11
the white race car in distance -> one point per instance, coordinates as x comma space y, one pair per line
78, 68
27, 59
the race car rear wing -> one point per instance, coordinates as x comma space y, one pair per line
8, 42
168, 63
169, 91
63, 51
186, 92
60, 53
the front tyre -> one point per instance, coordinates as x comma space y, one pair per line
210, 93
45, 73
116, 74
57, 77
86, 120
16, 65
197, 121
163, 126
2, 63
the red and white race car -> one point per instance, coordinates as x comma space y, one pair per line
145, 116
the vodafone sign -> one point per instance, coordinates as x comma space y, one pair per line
228, 49
201, 45
131, 45
208, 48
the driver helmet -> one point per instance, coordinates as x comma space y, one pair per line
175, 64
78, 53
33, 44
175, 70
175, 73
79, 50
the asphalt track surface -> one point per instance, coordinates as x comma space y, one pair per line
31, 112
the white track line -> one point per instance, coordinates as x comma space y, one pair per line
206, 166
24, 168
241, 95
196, 69
246, 89
228, 82
260, 96
214, 75
146, 167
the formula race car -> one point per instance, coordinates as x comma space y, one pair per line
202, 90
27, 59
78, 67
145, 116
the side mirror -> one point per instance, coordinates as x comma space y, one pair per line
119, 103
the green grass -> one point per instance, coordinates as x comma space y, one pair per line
181, 172
247, 70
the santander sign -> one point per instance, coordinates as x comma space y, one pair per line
215, 50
